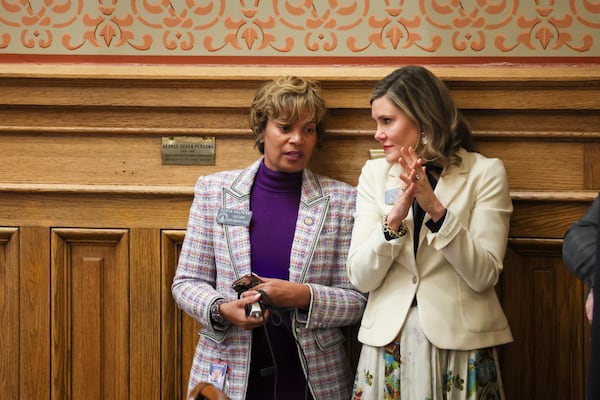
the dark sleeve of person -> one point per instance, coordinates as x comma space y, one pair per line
579, 246
593, 383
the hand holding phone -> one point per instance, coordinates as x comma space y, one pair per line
247, 282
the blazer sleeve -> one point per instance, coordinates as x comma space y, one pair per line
579, 245
371, 256
334, 301
194, 283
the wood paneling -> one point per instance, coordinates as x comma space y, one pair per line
9, 309
91, 222
544, 306
90, 314
145, 309
34, 312
180, 331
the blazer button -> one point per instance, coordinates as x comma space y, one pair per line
414, 279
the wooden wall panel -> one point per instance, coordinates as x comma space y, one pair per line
591, 160
173, 372
9, 309
180, 331
90, 314
101, 206
34, 314
82, 188
145, 310
543, 304
539, 165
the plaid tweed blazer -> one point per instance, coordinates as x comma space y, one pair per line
214, 255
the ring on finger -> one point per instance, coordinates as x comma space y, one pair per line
417, 177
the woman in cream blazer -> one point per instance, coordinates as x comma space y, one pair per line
432, 316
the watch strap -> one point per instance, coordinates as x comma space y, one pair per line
215, 313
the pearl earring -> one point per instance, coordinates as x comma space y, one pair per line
424, 138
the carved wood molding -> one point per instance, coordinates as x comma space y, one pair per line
584, 196
125, 190
536, 247
245, 133
187, 73
511, 87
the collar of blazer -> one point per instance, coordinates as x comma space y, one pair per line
311, 218
242, 184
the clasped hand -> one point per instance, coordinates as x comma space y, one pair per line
416, 186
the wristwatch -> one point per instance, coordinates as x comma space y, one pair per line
215, 314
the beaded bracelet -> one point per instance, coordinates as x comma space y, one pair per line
391, 234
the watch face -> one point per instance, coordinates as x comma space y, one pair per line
215, 313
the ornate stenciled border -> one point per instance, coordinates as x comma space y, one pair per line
303, 31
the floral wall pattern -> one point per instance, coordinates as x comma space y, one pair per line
304, 31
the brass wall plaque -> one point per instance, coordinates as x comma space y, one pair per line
188, 150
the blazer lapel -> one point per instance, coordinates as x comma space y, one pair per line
237, 197
451, 183
453, 180
311, 220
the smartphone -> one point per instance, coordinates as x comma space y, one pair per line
246, 282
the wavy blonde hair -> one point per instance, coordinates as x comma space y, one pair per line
427, 101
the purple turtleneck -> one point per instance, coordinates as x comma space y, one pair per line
274, 201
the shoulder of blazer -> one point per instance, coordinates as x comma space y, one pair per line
472, 162
242, 183
379, 167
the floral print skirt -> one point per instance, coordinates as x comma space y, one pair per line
411, 368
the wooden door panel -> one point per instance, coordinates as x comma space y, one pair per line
34, 312
90, 314
144, 311
543, 303
180, 331
9, 311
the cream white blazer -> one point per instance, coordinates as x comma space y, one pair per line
454, 271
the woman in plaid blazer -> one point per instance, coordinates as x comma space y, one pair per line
292, 228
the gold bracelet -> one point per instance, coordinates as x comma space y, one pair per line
390, 234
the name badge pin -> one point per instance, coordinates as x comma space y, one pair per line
227, 216
390, 195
